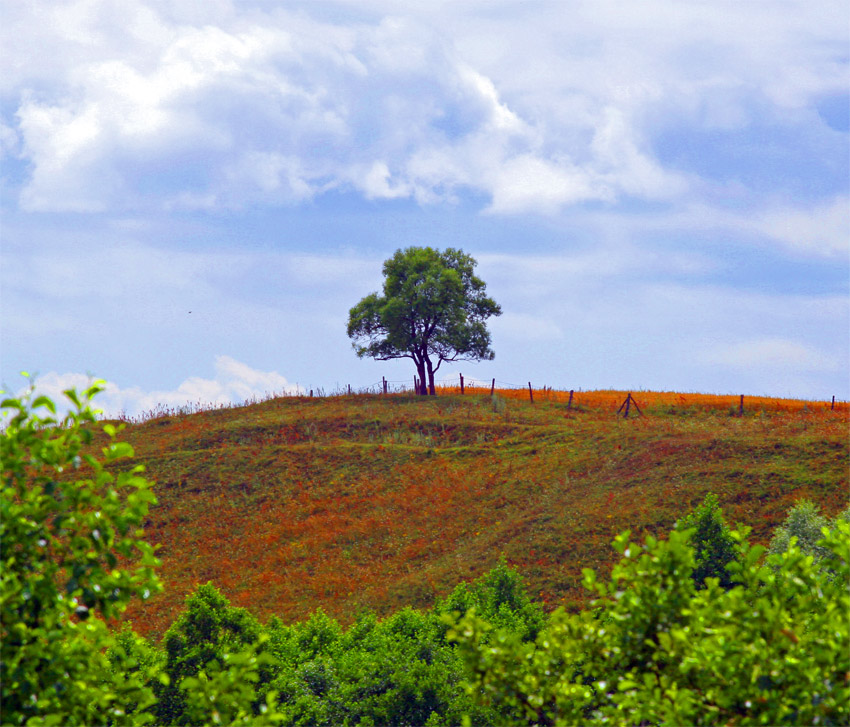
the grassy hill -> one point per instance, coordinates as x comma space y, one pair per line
376, 502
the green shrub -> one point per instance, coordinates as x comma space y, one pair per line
772, 649
500, 598
804, 523
712, 543
209, 637
399, 671
66, 517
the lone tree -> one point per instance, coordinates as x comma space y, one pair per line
433, 309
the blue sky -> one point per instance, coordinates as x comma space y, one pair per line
657, 193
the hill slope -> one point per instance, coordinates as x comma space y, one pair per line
357, 502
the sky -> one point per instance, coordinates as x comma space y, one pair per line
196, 192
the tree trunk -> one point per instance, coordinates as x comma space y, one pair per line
423, 384
432, 390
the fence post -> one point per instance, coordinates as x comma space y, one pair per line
570, 402
741, 406
493, 387
832, 408
384, 379
530, 393
311, 392
461, 383
349, 389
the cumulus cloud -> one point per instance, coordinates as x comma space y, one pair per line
143, 104
234, 383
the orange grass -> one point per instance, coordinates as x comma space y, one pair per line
376, 502
610, 399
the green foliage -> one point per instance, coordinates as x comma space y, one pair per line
772, 649
67, 516
131, 656
399, 671
804, 523
433, 309
500, 598
224, 692
210, 638
712, 542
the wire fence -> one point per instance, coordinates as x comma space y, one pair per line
616, 401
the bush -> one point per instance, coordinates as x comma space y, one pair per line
210, 636
804, 523
67, 516
399, 671
500, 598
772, 649
712, 543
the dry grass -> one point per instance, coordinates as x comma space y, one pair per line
374, 502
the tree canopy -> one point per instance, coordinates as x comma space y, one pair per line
433, 309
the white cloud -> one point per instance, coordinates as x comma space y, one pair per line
376, 183
175, 104
234, 383
527, 184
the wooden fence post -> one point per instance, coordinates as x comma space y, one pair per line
384, 380
832, 408
493, 387
461, 383
311, 392
530, 393
627, 404
349, 389
741, 406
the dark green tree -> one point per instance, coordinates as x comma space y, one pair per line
714, 547
433, 309
208, 631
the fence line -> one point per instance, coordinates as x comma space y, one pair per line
579, 400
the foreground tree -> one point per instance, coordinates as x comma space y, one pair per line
72, 556
654, 649
433, 309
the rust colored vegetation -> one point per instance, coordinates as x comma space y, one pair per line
370, 502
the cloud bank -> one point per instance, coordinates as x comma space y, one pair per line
182, 106
234, 383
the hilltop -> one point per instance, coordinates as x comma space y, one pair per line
375, 502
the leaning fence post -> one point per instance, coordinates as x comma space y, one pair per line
627, 406
493, 387
530, 393
832, 408
461, 383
